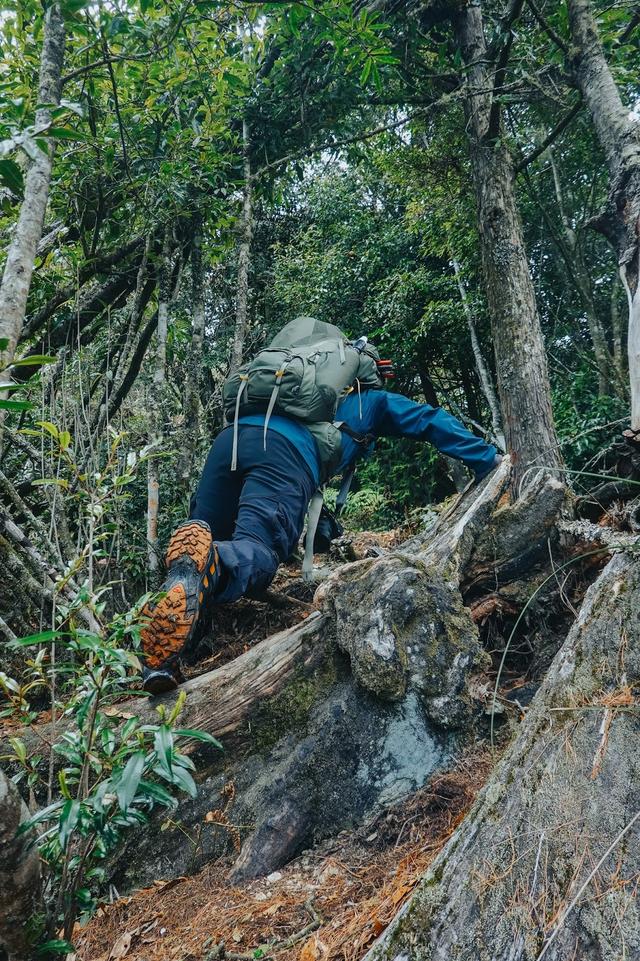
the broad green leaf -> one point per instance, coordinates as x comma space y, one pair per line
11, 177
41, 816
68, 821
34, 359
38, 638
128, 783
48, 427
198, 736
163, 745
56, 946
15, 404
66, 133
156, 793
183, 780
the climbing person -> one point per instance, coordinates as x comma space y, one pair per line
305, 409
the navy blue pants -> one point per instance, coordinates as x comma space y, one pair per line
256, 513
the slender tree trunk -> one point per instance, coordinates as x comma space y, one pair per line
157, 403
619, 134
521, 363
573, 257
244, 254
483, 370
16, 279
194, 359
617, 329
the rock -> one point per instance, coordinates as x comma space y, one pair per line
20, 890
405, 629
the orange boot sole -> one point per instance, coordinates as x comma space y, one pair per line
192, 562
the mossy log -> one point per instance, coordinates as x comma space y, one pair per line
546, 864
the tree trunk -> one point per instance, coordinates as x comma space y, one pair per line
545, 863
483, 370
617, 331
244, 255
574, 259
619, 134
157, 407
192, 403
521, 363
20, 894
16, 279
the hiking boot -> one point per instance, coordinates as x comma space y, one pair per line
192, 572
158, 682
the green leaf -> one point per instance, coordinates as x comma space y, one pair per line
34, 359
37, 638
156, 793
198, 736
15, 405
57, 946
366, 70
41, 816
163, 746
4, 343
48, 427
183, 780
128, 783
68, 821
43, 481
11, 177
66, 133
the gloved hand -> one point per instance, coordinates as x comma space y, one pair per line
497, 460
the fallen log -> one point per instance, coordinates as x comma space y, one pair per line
547, 862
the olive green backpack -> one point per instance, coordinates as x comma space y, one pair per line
303, 373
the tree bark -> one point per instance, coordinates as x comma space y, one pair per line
16, 279
541, 865
617, 331
521, 364
244, 256
618, 132
157, 406
574, 259
481, 367
20, 892
192, 403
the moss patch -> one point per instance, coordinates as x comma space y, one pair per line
289, 711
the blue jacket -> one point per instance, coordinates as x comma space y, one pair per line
385, 414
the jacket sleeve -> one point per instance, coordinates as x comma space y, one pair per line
397, 416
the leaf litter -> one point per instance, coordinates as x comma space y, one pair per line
329, 904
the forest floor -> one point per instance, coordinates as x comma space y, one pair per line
329, 903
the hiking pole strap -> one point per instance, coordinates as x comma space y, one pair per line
312, 525
345, 487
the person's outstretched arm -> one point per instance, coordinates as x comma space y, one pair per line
397, 416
